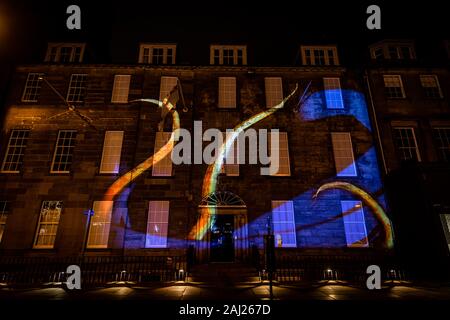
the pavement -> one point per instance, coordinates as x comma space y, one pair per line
321, 291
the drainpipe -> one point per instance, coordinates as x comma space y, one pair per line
366, 77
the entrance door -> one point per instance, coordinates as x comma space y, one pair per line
222, 242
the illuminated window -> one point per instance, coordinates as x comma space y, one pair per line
333, 93
162, 167
431, 87
343, 154
274, 91
4, 210
62, 158
227, 92
319, 55
354, 224
77, 88
32, 87
228, 55
231, 169
121, 88
65, 52
112, 149
15, 151
405, 140
284, 224
442, 138
157, 224
100, 225
48, 225
284, 166
157, 54
393, 86
167, 85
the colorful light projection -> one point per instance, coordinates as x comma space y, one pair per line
376, 208
131, 175
211, 176
318, 220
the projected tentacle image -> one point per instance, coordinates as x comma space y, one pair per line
211, 177
369, 201
131, 175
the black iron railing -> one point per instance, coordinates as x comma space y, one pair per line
95, 270
351, 268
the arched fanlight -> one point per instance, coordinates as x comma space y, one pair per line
222, 199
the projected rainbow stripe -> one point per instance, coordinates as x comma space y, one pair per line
131, 175
211, 177
377, 210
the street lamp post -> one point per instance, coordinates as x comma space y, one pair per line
270, 255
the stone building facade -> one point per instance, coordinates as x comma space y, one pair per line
409, 96
53, 167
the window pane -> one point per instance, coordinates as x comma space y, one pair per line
430, 85
167, 85
62, 158
354, 224
112, 149
16, 150
284, 166
274, 91
100, 224
77, 88
343, 154
284, 224
333, 93
442, 139
4, 210
157, 224
231, 166
227, 92
405, 141
162, 167
393, 86
48, 224
32, 87
121, 88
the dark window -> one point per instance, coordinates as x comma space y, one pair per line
442, 139
406, 53
228, 57
405, 141
331, 61
393, 52
66, 54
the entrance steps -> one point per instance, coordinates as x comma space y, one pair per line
224, 273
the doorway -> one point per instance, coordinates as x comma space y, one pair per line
222, 238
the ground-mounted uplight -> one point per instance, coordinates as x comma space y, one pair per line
329, 274
181, 275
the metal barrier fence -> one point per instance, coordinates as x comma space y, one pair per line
95, 270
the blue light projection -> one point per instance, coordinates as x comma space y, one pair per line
319, 222
314, 108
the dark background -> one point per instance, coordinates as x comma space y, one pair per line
272, 30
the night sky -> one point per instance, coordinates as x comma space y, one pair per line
272, 30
